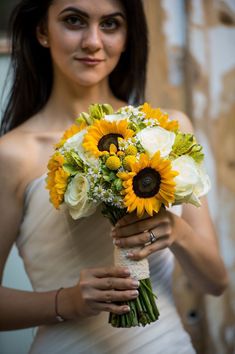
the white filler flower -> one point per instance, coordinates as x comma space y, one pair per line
115, 117
156, 138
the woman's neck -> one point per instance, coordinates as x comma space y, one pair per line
67, 102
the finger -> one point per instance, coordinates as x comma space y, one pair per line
130, 219
115, 283
132, 241
110, 296
160, 244
133, 218
114, 308
134, 228
141, 225
111, 271
162, 230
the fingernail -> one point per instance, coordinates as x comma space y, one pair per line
130, 255
135, 283
127, 271
134, 292
116, 242
126, 308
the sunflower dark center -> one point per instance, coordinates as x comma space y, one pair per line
107, 140
146, 183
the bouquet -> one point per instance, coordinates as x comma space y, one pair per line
133, 160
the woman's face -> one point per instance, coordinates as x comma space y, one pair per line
85, 38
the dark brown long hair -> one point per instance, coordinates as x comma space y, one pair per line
31, 64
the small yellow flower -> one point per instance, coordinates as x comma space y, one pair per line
127, 161
131, 150
120, 153
162, 117
113, 163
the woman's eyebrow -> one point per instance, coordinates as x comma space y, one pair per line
86, 15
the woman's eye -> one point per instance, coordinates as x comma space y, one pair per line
110, 24
75, 21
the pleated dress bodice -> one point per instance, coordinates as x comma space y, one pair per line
55, 248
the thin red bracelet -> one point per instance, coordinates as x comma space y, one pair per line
58, 317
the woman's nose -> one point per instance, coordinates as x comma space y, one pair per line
91, 39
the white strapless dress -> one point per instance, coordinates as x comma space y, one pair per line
54, 249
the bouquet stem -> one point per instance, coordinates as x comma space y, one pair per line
143, 309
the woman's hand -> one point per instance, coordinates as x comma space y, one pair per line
131, 231
100, 288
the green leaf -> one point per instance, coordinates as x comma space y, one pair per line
98, 111
112, 176
118, 184
196, 153
186, 144
106, 178
84, 117
70, 169
73, 159
77, 159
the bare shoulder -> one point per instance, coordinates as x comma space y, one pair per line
15, 157
24, 153
14, 151
185, 123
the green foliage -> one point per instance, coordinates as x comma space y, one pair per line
186, 144
96, 111
139, 147
70, 169
117, 184
84, 118
73, 163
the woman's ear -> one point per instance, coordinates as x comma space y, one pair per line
41, 34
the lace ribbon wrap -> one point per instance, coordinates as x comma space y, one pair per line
138, 269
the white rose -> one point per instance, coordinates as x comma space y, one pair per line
76, 198
191, 183
156, 138
75, 143
115, 117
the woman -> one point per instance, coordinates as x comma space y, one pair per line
66, 55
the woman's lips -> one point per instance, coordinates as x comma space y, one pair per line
89, 61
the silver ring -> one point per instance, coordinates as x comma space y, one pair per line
152, 237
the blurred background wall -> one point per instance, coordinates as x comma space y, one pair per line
191, 68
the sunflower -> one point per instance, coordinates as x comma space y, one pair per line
57, 179
162, 118
149, 184
102, 134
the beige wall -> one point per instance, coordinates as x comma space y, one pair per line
192, 68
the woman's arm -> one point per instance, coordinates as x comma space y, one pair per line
21, 309
196, 249
191, 238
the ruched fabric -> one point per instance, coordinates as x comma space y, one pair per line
55, 248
